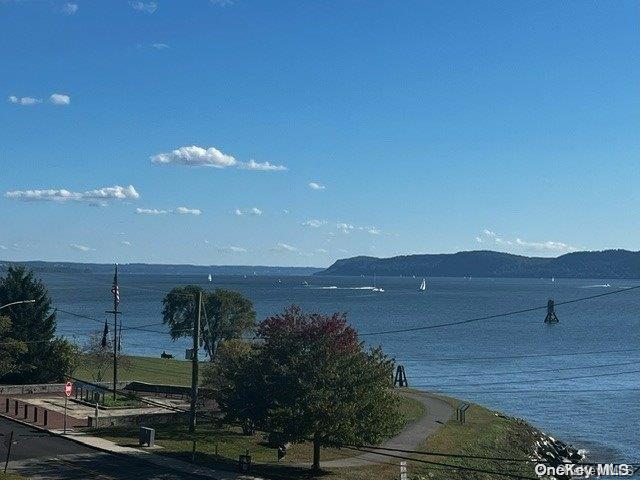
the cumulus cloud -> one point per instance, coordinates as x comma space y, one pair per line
195, 156
147, 7
221, 3
316, 186
233, 249
60, 99
371, 230
321, 250
98, 196
159, 46
69, 8
151, 211
344, 227
255, 211
187, 211
284, 247
80, 248
549, 246
126, 243
264, 166
27, 101
314, 223
177, 211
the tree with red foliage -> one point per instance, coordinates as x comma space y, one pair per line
309, 378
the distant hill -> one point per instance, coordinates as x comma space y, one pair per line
159, 269
485, 263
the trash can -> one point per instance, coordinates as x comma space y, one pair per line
147, 436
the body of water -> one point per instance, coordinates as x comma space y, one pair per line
577, 380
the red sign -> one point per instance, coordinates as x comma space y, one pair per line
68, 388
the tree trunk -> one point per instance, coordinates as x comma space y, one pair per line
316, 452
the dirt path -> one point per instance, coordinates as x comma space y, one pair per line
438, 413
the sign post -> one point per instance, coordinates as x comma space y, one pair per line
8, 444
68, 388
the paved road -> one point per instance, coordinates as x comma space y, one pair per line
39, 455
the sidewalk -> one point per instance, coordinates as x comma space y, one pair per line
150, 457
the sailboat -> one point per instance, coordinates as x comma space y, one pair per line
209, 277
423, 285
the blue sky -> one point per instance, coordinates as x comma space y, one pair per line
427, 126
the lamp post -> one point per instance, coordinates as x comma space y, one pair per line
17, 303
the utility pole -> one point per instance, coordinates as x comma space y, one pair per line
115, 290
194, 365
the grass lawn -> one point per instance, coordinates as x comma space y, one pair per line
166, 371
11, 476
221, 447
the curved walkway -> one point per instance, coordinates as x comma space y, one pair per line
438, 412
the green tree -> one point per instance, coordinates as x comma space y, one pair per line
308, 377
10, 348
44, 358
225, 315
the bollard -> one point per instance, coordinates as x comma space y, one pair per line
45, 414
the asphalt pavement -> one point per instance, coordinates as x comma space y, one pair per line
39, 455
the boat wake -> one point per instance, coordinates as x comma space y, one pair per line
603, 285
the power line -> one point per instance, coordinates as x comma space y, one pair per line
457, 467
513, 382
527, 355
546, 370
497, 315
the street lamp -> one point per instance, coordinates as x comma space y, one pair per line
16, 303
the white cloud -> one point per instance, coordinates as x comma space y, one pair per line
126, 243
187, 211
80, 248
221, 3
344, 227
264, 166
147, 7
177, 211
316, 186
255, 211
195, 156
314, 223
2, 247
24, 100
69, 8
151, 211
159, 46
60, 99
321, 250
283, 247
342, 250
285, 212
97, 196
518, 243
233, 249
371, 230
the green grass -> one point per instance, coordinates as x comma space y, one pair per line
220, 447
143, 369
11, 476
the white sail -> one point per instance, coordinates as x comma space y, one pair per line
209, 277
423, 285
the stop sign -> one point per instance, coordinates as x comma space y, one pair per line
68, 388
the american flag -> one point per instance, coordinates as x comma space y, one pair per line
115, 289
